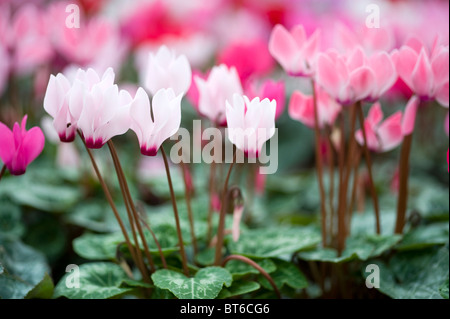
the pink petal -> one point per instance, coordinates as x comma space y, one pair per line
409, 118
299, 35
385, 73
440, 65
32, 145
390, 132
356, 60
372, 140
405, 60
7, 146
375, 115
362, 83
282, 46
301, 108
327, 75
422, 76
442, 95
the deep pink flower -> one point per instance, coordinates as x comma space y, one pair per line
381, 136
355, 77
271, 90
427, 74
294, 51
301, 108
249, 57
19, 147
250, 123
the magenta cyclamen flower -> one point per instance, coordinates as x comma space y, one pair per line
355, 77
151, 133
427, 75
19, 147
381, 136
250, 123
301, 108
294, 51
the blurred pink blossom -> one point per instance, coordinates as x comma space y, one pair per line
271, 90
20, 147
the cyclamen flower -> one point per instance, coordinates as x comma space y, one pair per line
301, 108
387, 135
250, 123
355, 77
221, 85
427, 75
166, 70
151, 133
269, 90
19, 147
294, 51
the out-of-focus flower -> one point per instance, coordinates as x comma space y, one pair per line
221, 85
151, 133
370, 39
271, 90
381, 136
19, 147
294, 51
301, 108
427, 74
166, 70
355, 77
250, 123
249, 57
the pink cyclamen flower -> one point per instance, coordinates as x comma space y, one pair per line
151, 133
294, 51
301, 108
101, 109
221, 85
427, 75
269, 90
19, 147
409, 119
250, 123
355, 77
381, 136
166, 70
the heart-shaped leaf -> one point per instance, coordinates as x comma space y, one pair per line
275, 242
92, 281
206, 284
425, 236
286, 273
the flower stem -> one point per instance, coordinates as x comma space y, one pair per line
257, 267
221, 227
403, 191
212, 178
369, 167
131, 208
355, 183
331, 163
175, 211
116, 213
319, 167
2, 172
189, 207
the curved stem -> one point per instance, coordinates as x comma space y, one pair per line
369, 167
131, 208
175, 211
2, 172
319, 167
114, 208
403, 188
189, 207
257, 267
221, 227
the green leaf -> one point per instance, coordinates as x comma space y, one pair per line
443, 290
239, 288
286, 273
415, 274
425, 236
96, 281
22, 268
43, 290
10, 220
357, 248
275, 242
206, 284
239, 269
